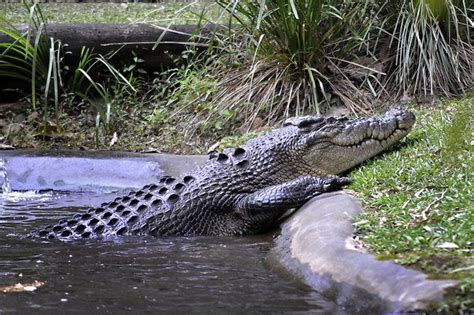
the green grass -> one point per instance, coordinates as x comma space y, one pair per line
163, 13
420, 198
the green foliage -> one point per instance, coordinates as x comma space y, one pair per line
299, 55
455, 136
420, 197
188, 91
432, 46
35, 61
158, 13
234, 141
38, 62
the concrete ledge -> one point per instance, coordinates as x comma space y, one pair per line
91, 171
316, 245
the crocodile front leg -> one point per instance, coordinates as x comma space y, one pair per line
292, 194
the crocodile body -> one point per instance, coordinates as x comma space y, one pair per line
244, 190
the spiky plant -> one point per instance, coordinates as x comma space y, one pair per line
33, 57
30, 56
299, 55
432, 46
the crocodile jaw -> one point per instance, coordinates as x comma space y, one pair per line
340, 145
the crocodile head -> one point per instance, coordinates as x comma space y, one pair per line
335, 145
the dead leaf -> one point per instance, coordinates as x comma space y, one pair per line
447, 245
6, 147
22, 287
214, 147
114, 140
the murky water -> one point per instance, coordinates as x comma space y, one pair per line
167, 275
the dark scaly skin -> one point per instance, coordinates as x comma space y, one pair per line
244, 190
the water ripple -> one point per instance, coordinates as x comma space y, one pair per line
192, 275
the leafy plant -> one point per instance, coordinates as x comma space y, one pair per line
101, 95
35, 62
432, 46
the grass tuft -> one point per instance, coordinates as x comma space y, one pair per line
296, 56
432, 46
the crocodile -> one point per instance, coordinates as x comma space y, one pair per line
244, 190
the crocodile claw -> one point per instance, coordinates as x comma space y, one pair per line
335, 183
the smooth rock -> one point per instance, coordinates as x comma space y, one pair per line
316, 244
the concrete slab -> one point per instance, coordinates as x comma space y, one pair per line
91, 171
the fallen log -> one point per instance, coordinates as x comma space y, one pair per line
156, 46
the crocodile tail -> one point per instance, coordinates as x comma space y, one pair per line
123, 216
